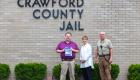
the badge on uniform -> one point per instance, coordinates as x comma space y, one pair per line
68, 51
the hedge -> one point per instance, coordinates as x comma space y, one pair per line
134, 72
30, 71
115, 70
4, 71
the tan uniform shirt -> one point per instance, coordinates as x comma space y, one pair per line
104, 46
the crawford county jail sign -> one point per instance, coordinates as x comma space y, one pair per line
69, 11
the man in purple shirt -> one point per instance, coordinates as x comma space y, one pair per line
67, 50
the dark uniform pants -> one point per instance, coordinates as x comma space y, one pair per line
87, 73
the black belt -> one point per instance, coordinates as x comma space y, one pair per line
67, 59
103, 55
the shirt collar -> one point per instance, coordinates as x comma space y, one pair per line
68, 43
102, 41
85, 44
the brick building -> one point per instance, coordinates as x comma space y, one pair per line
29, 33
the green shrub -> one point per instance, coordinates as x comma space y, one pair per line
4, 71
134, 72
57, 71
77, 72
115, 70
96, 73
30, 71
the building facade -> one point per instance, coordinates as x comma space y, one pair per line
31, 29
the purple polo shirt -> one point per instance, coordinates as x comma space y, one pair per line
63, 44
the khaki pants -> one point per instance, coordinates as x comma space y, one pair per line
105, 68
65, 66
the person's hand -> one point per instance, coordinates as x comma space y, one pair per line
63, 50
72, 49
110, 61
60, 51
96, 61
82, 61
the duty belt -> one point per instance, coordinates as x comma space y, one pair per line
103, 55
